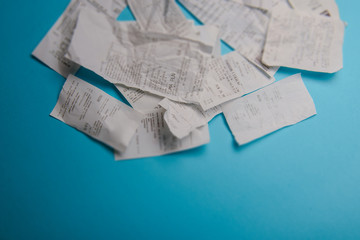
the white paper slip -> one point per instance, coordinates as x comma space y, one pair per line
281, 104
183, 118
243, 28
279, 4
305, 41
230, 77
161, 64
160, 16
92, 111
53, 46
322, 7
141, 101
262, 4
153, 138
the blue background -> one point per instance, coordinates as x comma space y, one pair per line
301, 182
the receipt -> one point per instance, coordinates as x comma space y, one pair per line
304, 41
53, 46
183, 118
160, 16
242, 27
164, 65
153, 138
322, 7
262, 4
96, 113
278, 4
230, 77
138, 99
144, 101
281, 104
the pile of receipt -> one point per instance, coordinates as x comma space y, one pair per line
173, 75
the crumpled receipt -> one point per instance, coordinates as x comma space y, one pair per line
162, 64
99, 115
183, 118
257, 114
305, 41
160, 16
53, 46
153, 138
243, 28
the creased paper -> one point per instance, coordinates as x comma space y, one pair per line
257, 114
164, 65
229, 77
162, 16
242, 27
53, 46
153, 138
183, 118
96, 113
304, 41
322, 7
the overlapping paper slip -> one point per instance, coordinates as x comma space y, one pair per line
305, 41
242, 27
280, 4
153, 138
96, 113
261, 4
281, 104
322, 7
165, 65
138, 99
160, 16
52, 48
183, 118
229, 77
144, 101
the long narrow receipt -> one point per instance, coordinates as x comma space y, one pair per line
183, 118
281, 104
153, 138
53, 46
96, 113
305, 41
161, 64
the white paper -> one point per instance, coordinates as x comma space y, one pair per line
138, 99
229, 77
53, 46
305, 41
280, 4
183, 118
322, 7
262, 4
160, 16
242, 27
161, 64
96, 113
281, 104
144, 101
153, 138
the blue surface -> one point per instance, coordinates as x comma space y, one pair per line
301, 182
